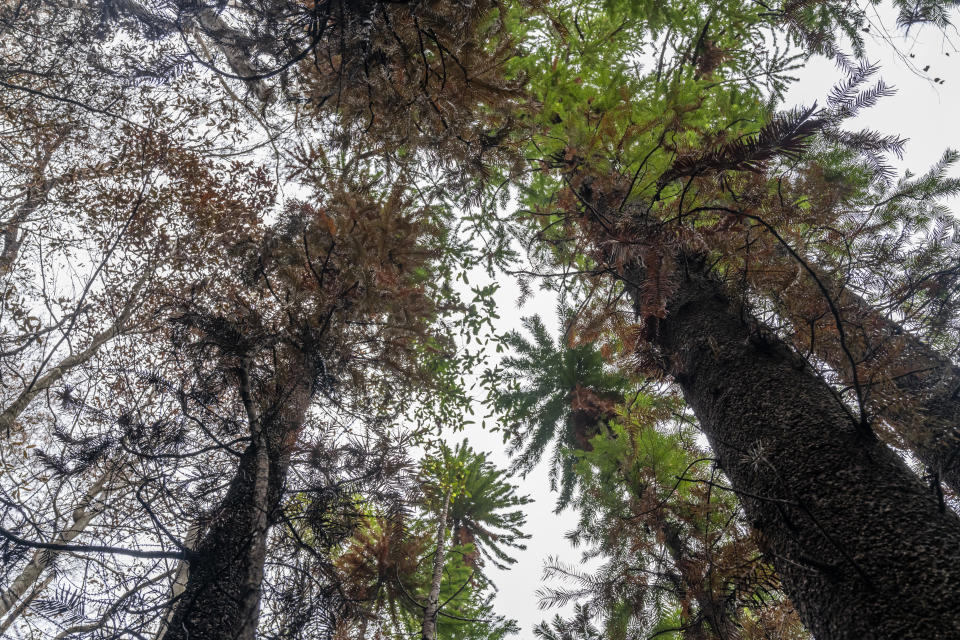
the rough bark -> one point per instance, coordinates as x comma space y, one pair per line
905, 382
863, 548
430, 612
221, 600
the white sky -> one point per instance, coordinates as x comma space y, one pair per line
925, 112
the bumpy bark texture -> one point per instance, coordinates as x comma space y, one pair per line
864, 549
221, 600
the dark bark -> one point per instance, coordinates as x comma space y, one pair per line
221, 600
863, 547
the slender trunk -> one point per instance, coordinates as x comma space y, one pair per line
84, 512
12, 411
221, 599
206, 22
432, 609
18, 611
862, 546
180, 577
710, 611
11, 232
43, 382
892, 364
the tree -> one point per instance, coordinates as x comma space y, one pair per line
677, 556
660, 192
470, 494
404, 575
478, 511
906, 381
643, 194
570, 390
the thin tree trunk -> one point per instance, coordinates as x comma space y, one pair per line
863, 548
180, 578
710, 610
914, 389
221, 600
43, 382
84, 512
18, 611
432, 609
12, 411
11, 233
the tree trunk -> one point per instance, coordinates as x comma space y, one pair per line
180, 578
18, 611
12, 411
711, 612
864, 549
84, 512
40, 383
432, 609
891, 364
221, 600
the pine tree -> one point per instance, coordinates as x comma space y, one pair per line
657, 195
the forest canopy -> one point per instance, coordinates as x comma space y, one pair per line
252, 256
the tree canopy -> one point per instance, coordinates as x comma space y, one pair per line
241, 330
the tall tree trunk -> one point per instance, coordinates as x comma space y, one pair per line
221, 600
892, 365
863, 547
432, 609
83, 513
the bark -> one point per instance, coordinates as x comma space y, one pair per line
180, 578
12, 411
85, 511
863, 548
221, 599
41, 383
432, 609
906, 383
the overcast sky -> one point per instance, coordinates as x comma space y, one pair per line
923, 111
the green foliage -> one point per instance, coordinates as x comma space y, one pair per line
483, 511
537, 405
386, 568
